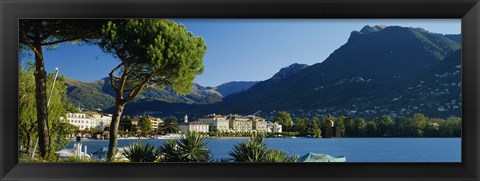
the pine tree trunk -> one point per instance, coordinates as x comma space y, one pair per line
112, 145
41, 100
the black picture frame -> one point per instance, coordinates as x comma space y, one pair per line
466, 10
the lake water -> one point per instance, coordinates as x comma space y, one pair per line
355, 149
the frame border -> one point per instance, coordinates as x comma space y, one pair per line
467, 10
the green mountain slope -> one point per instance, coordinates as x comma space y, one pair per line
356, 78
380, 70
99, 95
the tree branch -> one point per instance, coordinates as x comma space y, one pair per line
136, 90
51, 32
112, 82
26, 41
60, 41
123, 80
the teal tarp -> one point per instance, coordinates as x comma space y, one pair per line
316, 157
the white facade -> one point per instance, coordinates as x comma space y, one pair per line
194, 126
235, 123
240, 123
216, 122
260, 125
81, 120
102, 120
274, 127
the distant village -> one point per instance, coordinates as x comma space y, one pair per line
204, 124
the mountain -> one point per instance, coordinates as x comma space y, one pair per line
371, 29
359, 78
233, 87
288, 71
380, 70
88, 95
99, 95
455, 37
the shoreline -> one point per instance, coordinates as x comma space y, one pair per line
146, 138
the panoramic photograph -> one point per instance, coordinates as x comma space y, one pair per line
239, 90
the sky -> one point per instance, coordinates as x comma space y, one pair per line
241, 49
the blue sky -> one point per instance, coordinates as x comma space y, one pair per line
241, 50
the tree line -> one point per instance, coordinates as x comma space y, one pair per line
417, 125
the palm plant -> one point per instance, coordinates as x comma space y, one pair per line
169, 151
255, 150
191, 147
139, 152
280, 156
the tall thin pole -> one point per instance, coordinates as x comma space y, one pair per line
48, 103
53, 85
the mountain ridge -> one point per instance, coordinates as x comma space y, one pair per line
382, 70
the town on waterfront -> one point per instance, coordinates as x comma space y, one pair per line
179, 90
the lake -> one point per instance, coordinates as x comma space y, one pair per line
355, 149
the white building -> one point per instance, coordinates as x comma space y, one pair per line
194, 126
215, 122
101, 120
81, 120
240, 123
259, 125
274, 127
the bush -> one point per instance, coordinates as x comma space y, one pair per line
191, 147
139, 152
255, 150
280, 156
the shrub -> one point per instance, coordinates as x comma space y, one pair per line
191, 147
139, 152
255, 150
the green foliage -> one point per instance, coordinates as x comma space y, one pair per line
280, 156
371, 129
156, 51
59, 129
169, 152
255, 150
37, 34
316, 132
359, 127
140, 152
170, 125
340, 122
145, 124
126, 123
415, 126
27, 115
283, 118
191, 147
412, 126
301, 125
384, 125
152, 52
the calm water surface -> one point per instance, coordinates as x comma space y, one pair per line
355, 149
